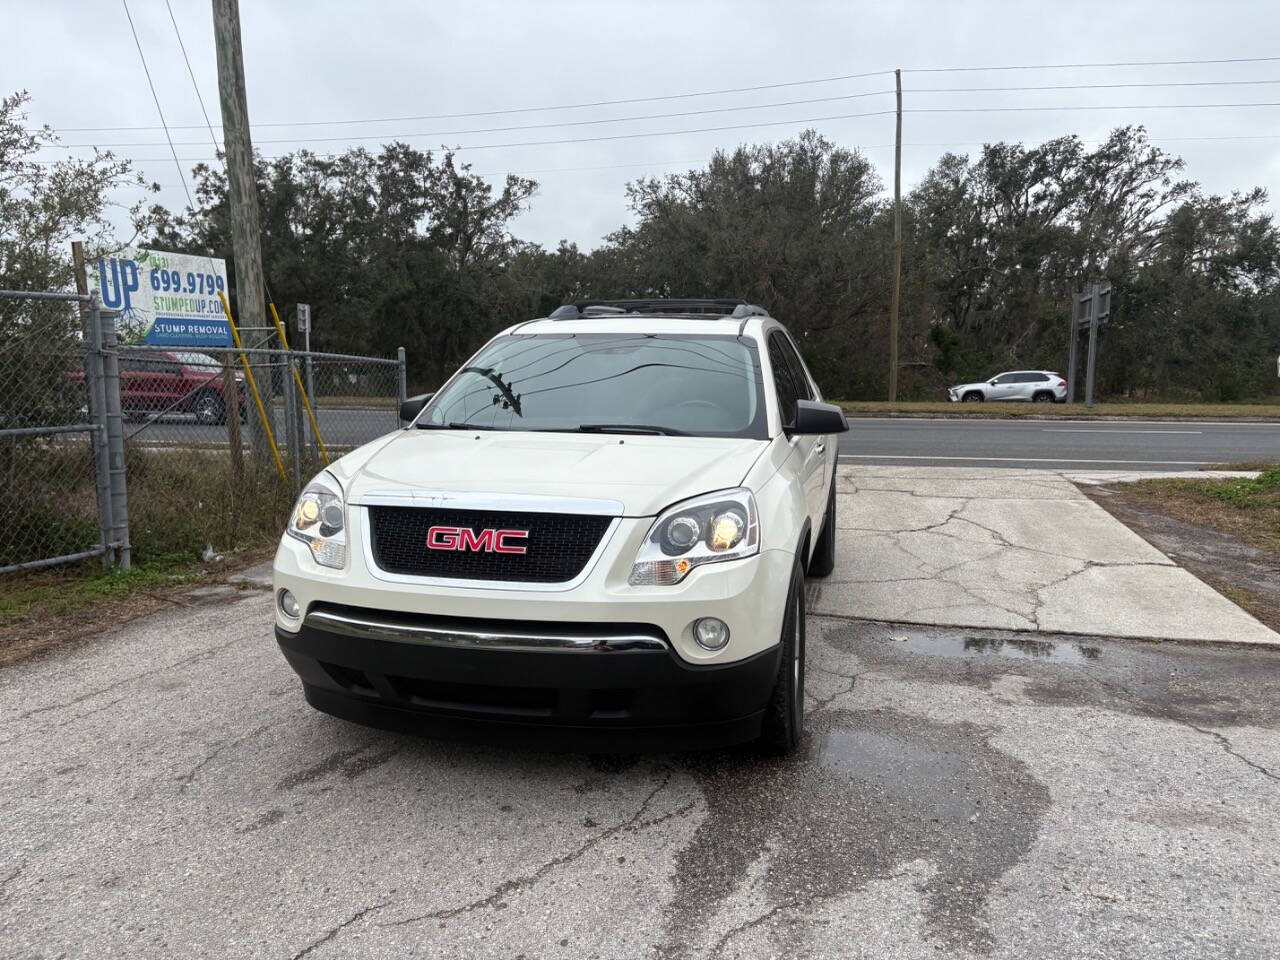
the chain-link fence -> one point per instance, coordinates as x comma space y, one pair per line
212, 477
139, 452
55, 463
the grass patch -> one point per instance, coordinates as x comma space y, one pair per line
1248, 509
72, 589
1225, 411
45, 608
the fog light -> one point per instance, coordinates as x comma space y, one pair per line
289, 605
711, 633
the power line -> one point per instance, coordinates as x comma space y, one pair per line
192, 74
686, 96
1093, 106
531, 126
510, 110
747, 126
1096, 86
1086, 66
384, 137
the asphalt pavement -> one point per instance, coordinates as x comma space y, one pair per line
1049, 444
166, 792
343, 427
1058, 444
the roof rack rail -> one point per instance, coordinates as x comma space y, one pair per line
738, 309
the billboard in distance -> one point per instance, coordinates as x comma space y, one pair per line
165, 299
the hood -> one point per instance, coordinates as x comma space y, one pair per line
966, 386
643, 473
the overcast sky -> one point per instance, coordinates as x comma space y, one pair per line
315, 60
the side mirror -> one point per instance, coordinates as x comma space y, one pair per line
813, 417
410, 408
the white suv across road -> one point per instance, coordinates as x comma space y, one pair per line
1037, 386
596, 532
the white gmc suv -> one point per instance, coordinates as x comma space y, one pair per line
597, 530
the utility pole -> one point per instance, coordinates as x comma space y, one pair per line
246, 239
897, 245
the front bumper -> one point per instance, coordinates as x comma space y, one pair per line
603, 687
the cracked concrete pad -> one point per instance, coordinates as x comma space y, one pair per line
1018, 549
1147, 601
1071, 528
893, 510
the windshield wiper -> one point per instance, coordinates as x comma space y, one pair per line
630, 428
457, 425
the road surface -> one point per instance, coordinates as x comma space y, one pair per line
1058, 444
970, 794
1049, 444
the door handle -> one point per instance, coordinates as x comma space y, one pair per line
820, 446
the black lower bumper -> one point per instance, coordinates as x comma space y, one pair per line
598, 699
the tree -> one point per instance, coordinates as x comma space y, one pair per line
43, 207
791, 226
391, 249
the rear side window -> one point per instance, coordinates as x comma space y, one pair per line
798, 376
783, 381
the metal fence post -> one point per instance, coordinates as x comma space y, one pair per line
290, 397
311, 395
402, 382
98, 417
1093, 344
117, 474
1073, 349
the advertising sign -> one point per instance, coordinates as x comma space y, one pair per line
166, 299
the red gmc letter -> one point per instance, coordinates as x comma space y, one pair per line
468, 539
442, 538
500, 544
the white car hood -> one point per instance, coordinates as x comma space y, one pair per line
976, 385
643, 473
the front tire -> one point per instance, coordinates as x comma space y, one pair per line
784, 716
209, 409
823, 560
973, 396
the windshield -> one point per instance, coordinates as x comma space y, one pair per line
701, 385
197, 360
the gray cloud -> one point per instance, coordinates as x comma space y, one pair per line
308, 61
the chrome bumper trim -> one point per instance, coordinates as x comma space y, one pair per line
377, 625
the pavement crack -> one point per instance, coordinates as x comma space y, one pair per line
718, 947
193, 658
1225, 744
517, 884
9, 878
185, 780
824, 702
334, 931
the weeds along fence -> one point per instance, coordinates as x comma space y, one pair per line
195, 440
131, 453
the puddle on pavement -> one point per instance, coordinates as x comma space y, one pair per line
868, 792
1017, 648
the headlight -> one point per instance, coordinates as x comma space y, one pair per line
718, 526
319, 520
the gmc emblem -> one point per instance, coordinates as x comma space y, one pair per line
481, 541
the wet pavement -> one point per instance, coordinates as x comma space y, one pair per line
164, 791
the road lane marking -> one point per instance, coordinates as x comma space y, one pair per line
1040, 421
1172, 433
904, 456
